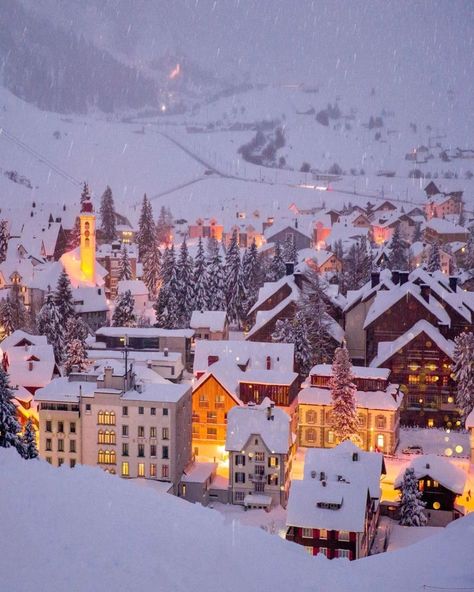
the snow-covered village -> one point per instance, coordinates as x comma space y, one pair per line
236, 295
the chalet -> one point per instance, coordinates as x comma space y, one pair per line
108, 256
441, 482
333, 510
246, 235
322, 229
206, 228
91, 305
281, 387
210, 324
260, 447
443, 205
283, 231
378, 406
420, 361
320, 260
382, 228
444, 231
386, 206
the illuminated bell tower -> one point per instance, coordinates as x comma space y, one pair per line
87, 248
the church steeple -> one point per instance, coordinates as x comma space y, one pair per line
87, 246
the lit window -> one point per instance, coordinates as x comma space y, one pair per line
311, 417
307, 533
125, 469
311, 435
152, 470
330, 437
343, 535
165, 472
260, 457
323, 533
273, 461
141, 469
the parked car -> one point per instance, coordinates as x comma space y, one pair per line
413, 450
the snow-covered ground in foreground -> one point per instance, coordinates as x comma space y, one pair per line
84, 530
403, 536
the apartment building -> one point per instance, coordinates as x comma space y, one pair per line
133, 424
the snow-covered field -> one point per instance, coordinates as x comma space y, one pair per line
83, 530
450, 443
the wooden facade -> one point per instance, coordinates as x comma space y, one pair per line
362, 384
281, 394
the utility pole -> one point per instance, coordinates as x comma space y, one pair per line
125, 351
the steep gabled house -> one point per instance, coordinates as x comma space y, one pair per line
283, 230
444, 231
334, 509
210, 324
261, 448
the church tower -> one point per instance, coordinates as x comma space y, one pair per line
87, 247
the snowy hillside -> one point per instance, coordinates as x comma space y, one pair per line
84, 530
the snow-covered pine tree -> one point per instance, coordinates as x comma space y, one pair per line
250, 272
124, 315
344, 412
168, 264
464, 372
20, 315
200, 278
152, 267
6, 316
216, 284
28, 440
303, 357
232, 276
107, 215
434, 259
277, 268
411, 506
4, 237
9, 426
417, 235
146, 234
170, 317
290, 253
124, 267
64, 299
185, 286
49, 324
212, 247
469, 256
76, 356
399, 252
312, 307
76, 328
357, 265
74, 235
284, 331
85, 193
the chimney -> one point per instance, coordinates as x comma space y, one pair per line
269, 413
165, 352
313, 474
30, 365
290, 268
453, 283
355, 456
99, 291
108, 373
324, 483
269, 363
374, 278
425, 292
395, 277
403, 277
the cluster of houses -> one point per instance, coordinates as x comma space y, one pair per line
215, 418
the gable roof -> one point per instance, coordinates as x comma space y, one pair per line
439, 469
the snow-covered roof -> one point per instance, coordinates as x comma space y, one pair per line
63, 390
303, 510
442, 226
365, 468
150, 332
270, 288
32, 366
199, 472
227, 373
136, 287
18, 336
357, 372
389, 400
261, 376
439, 469
245, 421
89, 299
242, 352
384, 300
294, 224
135, 355
386, 349
158, 392
71, 262
367, 291
215, 320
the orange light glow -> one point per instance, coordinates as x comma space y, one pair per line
175, 72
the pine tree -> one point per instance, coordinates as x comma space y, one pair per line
290, 253
76, 328
124, 315
74, 237
164, 226
4, 238
85, 193
303, 357
6, 317
357, 265
185, 286
166, 272
9, 426
200, 278
417, 235
152, 267
250, 279
469, 257
216, 285
434, 259
464, 372
28, 440
284, 332
313, 309
19, 313
411, 506
233, 286
107, 215
399, 252
146, 234
64, 299
76, 356
49, 324
277, 267
124, 267
344, 412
